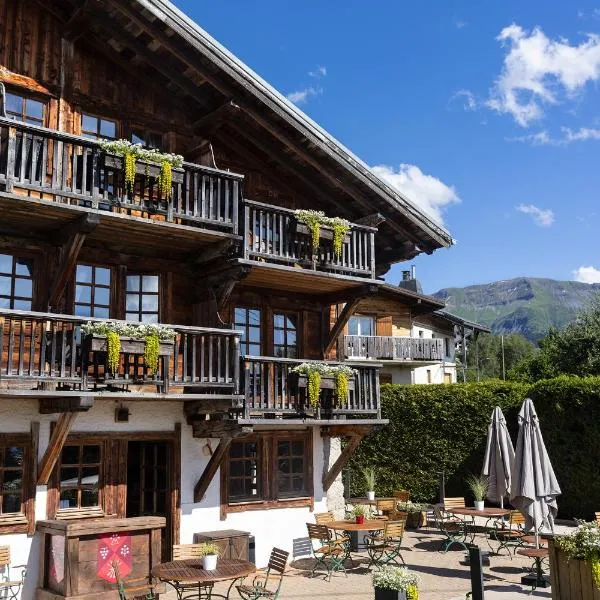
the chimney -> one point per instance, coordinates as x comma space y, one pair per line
413, 272
406, 275
409, 280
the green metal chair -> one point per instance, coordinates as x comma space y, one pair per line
384, 547
455, 531
10, 586
136, 588
511, 535
327, 551
260, 584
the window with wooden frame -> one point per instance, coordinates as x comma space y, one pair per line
268, 470
25, 108
142, 298
16, 508
361, 325
79, 478
94, 127
285, 335
249, 322
16, 282
92, 291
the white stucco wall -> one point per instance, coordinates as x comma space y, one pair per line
275, 527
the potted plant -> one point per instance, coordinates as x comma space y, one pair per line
360, 513
369, 477
478, 484
581, 570
210, 553
415, 513
395, 583
319, 226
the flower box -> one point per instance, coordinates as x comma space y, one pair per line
387, 594
570, 577
98, 343
325, 232
327, 382
142, 168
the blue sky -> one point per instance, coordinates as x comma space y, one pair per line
491, 108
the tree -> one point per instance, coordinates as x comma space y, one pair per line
485, 360
574, 350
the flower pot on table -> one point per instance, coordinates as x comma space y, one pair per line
209, 562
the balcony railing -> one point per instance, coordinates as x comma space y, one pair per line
49, 348
74, 170
393, 348
272, 234
272, 389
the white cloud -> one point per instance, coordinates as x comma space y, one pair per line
459, 23
302, 96
539, 71
587, 275
568, 136
426, 191
541, 217
469, 101
319, 72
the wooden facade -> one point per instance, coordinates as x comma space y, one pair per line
221, 258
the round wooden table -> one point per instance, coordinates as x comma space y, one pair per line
352, 527
366, 501
190, 580
487, 513
538, 578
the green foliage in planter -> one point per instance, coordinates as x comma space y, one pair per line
342, 374
411, 507
369, 478
584, 544
151, 351
165, 180
340, 228
399, 579
113, 344
315, 219
129, 168
444, 427
478, 484
315, 370
361, 511
209, 549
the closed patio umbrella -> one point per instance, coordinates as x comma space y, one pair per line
499, 458
534, 486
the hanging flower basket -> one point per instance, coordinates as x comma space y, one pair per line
141, 167
98, 343
326, 232
327, 382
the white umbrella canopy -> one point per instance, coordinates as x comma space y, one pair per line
499, 458
534, 486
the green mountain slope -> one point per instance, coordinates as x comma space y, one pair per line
526, 305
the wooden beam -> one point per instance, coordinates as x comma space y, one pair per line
372, 220
216, 428
196, 410
212, 252
76, 26
340, 463
51, 8
55, 446
67, 404
211, 468
340, 323
77, 232
364, 291
214, 119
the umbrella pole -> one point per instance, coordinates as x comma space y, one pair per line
502, 502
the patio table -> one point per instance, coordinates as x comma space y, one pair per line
190, 580
488, 513
366, 501
538, 578
351, 526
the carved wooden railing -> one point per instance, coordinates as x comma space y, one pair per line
272, 234
43, 348
393, 348
74, 170
271, 388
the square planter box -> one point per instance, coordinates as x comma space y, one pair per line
327, 382
386, 594
141, 168
325, 233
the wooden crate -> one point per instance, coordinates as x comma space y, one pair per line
233, 543
71, 550
570, 579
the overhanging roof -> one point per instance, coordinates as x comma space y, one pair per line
456, 320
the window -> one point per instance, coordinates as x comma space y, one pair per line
97, 128
142, 298
12, 478
420, 333
148, 139
80, 473
244, 475
429, 380
248, 321
285, 343
92, 291
361, 325
16, 282
268, 468
25, 109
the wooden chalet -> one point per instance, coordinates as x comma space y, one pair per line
220, 435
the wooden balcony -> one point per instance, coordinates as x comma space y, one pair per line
273, 391
273, 235
73, 171
38, 349
393, 348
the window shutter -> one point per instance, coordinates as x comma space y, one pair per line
384, 326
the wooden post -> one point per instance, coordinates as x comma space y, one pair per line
211, 468
340, 463
55, 445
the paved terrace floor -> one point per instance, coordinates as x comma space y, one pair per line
443, 577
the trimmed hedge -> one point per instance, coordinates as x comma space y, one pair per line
444, 427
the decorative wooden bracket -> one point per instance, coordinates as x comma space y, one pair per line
339, 325
67, 404
55, 445
355, 438
212, 252
211, 468
73, 235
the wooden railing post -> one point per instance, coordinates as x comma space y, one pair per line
11, 159
235, 206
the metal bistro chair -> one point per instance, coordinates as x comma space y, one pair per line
384, 548
143, 587
187, 552
9, 584
329, 517
511, 535
402, 495
273, 573
327, 551
455, 530
385, 508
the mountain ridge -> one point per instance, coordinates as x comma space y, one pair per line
527, 305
